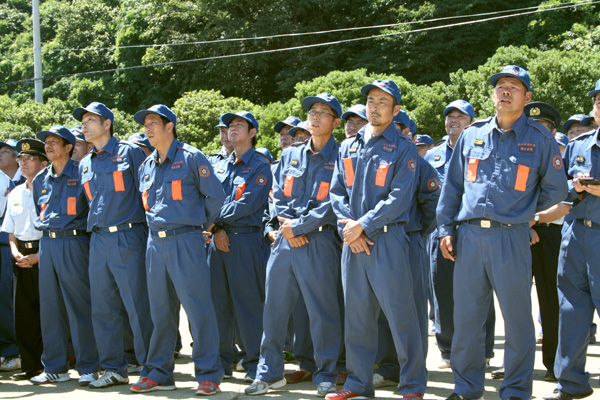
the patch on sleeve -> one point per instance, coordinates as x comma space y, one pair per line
412, 165
557, 162
432, 184
261, 180
204, 171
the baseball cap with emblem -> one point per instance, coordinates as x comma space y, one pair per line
461, 105
360, 110
387, 85
158, 109
10, 143
32, 147
538, 110
562, 139
402, 118
596, 90
140, 139
301, 126
290, 120
581, 119
76, 131
323, 98
57, 130
424, 140
94, 108
512, 71
247, 115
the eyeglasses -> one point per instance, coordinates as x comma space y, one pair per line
320, 114
26, 158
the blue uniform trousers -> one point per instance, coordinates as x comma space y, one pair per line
65, 302
237, 287
381, 281
312, 270
118, 273
578, 298
303, 347
497, 259
8, 341
177, 272
442, 276
387, 359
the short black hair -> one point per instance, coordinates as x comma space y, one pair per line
165, 121
102, 119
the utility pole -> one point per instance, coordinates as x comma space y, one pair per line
37, 53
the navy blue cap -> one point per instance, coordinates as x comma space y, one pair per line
301, 126
33, 147
324, 98
221, 124
140, 139
512, 71
539, 110
424, 139
10, 143
247, 115
596, 90
581, 119
412, 125
402, 118
562, 139
461, 105
359, 110
387, 85
76, 131
266, 153
158, 109
94, 108
57, 130
290, 120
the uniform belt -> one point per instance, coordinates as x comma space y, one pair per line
116, 228
326, 228
589, 223
31, 244
234, 230
65, 233
487, 223
174, 232
385, 227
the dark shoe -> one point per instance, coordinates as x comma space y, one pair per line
549, 377
498, 374
592, 338
25, 376
560, 395
301, 375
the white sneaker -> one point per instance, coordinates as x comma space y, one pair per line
444, 363
45, 378
380, 381
488, 363
134, 368
86, 379
324, 388
261, 387
109, 378
10, 364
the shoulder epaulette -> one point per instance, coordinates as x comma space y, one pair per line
537, 125
480, 121
262, 157
583, 135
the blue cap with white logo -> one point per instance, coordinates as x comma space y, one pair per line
247, 115
94, 108
290, 120
360, 110
581, 119
76, 131
424, 140
324, 98
387, 85
402, 118
562, 139
512, 71
461, 105
301, 126
596, 90
158, 109
57, 130
10, 143
140, 139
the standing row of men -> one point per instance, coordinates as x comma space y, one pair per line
122, 245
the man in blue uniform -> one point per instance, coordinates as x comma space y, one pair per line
282, 128
226, 146
356, 118
576, 125
235, 253
503, 169
578, 268
458, 115
306, 254
109, 174
63, 263
182, 197
373, 186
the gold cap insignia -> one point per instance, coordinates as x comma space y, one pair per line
535, 111
25, 146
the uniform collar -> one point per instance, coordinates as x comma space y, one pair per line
517, 127
325, 151
594, 140
110, 147
389, 133
245, 158
71, 170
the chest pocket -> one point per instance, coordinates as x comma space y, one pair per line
174, 182
437, 161
290, 175
382, 172
239, 185
349, 163
473, 155
524, 166
118, 170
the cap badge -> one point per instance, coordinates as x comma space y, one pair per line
535, 111
25, 146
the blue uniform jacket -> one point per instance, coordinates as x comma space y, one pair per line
247, 183
302, 183
59, 200
180, 191
505, 177
422, 209
439, 157
374, 182
110, 180
583, 155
